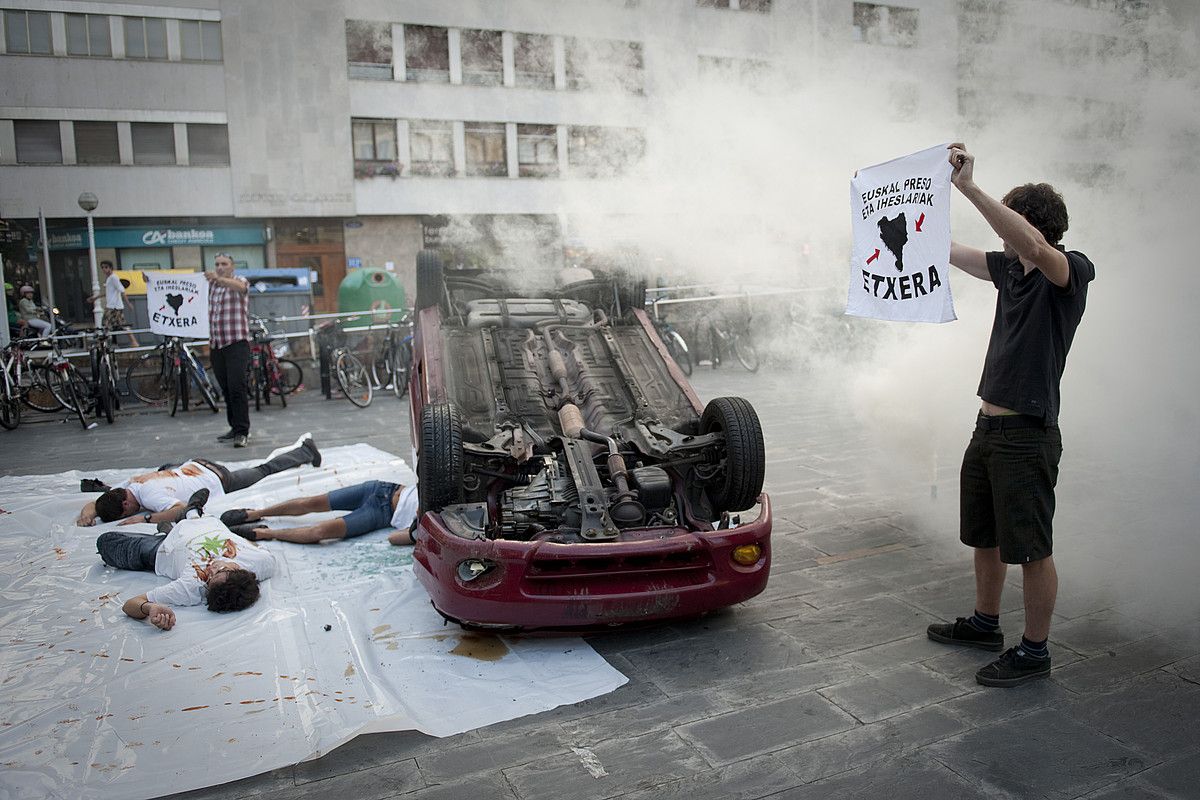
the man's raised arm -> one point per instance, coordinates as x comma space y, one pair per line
1026, 241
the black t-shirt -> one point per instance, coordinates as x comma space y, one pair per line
1031, 334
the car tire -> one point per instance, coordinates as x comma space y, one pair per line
430, 280
739, 485
440, 462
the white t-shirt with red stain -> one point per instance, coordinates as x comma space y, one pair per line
158, 491
188, 552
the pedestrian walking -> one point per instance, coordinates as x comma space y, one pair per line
1010, 467
115, 302
229, 344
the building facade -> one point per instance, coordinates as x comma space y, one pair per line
334, 134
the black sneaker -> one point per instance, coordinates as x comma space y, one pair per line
235, 516
1013, 668
229, 436
195, 503
241, 440
311, 447
93, 485
960, 633
247, 531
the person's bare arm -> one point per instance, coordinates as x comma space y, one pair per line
167, 515
970, 260
1027, 241
234, 283
157, 614
87, 517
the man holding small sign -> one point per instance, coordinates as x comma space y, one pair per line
1010, 467
229, 344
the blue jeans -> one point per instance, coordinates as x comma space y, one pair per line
369, 504
129, 550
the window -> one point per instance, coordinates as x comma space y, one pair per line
27, 32
153, 143
485, 149
96, 143
604, 64
374, 139
533, 55
88, 35
712, 3
208, 145
597, 152
426, 54
38, 141
145, 37
888, 25
760, 6
369, 49
200, 40
482, 58
537, 151
431, 147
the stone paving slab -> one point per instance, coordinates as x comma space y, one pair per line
715, 707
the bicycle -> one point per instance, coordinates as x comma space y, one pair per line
267, 373
10, 400
104, 375
27, 383
149, 378
676, 345
69, 388
353, 378
395, 358
735, 338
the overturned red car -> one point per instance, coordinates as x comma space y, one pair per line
569, 477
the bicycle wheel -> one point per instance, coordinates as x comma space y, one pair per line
147, 378
173, 389
201, 384
290, 376
274, 380
745, 352
401, 360
105, 390
10, 404
677, 347
36, 392
70, 382
353, 379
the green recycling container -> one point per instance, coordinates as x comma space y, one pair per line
367, 289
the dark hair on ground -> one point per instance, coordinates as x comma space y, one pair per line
110, 504
237, 590
1043, 206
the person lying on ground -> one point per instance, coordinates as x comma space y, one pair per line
204, 560
160, 496
372, 505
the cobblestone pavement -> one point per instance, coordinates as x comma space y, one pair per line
825, 686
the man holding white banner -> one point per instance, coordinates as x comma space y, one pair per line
229, 344
1010, 467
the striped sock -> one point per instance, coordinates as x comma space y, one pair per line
985, 623
1034, 649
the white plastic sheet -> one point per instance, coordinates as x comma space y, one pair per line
97, 705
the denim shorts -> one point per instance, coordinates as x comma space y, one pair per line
1007, 499
369, 504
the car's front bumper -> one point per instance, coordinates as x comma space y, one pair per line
651, 574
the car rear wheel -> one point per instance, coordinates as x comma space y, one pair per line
430, 281
440, 463
738, 486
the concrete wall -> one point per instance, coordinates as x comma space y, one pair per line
289, 114
123, 191
384, 239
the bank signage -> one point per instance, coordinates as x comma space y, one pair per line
76, 239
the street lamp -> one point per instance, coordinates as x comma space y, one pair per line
88, 202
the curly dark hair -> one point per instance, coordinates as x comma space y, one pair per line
1043, 206
110, 505
237, 590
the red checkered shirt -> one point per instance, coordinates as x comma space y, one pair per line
228, 315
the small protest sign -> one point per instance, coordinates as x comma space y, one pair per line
900, 260
177, 304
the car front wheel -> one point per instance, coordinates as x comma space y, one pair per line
738, 485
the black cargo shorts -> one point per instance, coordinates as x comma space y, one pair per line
1007, 482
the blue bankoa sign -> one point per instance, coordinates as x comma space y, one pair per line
76, 239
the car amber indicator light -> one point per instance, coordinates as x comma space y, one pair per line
747, 554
